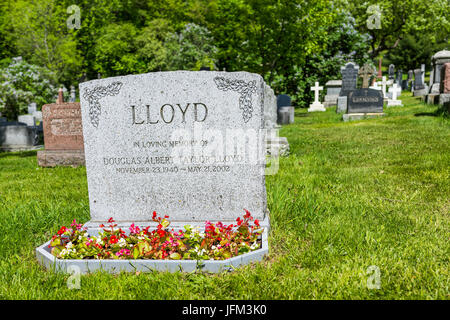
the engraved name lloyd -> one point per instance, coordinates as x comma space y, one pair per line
168, 113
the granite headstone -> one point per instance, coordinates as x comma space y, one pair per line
187, 144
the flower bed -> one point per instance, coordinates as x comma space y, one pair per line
217, 241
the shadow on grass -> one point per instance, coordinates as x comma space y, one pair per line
21, 154
441, 111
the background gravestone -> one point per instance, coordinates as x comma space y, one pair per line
283, 100
349, 78
437, 61
17, 136
391, 72
63, 135
364, 103
367, 72
420, 88
32, 108
410, 79
275, 145
399, 78
333, 90
285, 111
444, 96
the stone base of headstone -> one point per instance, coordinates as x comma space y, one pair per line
330, 101
341, 104
316, 107
278, 147
432, 98
285, 115
444, 98
435, 88
360, 116
420, 92
53, 158
394, 103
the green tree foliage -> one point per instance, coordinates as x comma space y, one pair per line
124, 49
22, 83
399, 19
291, 43
41, 36
191, 49
413, 50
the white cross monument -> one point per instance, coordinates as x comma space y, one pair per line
316, 105
395, 90
384, 83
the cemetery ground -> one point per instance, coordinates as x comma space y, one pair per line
350, 196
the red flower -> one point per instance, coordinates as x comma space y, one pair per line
62, 230
154, 215
113, 239
257, 222
110, 220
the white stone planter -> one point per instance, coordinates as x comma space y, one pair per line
50, 262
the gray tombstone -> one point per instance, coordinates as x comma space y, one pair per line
28, 119
283, 100
285, 110
32, 108
285, 115
365, 101
38, 115
73, 95
399, 78
391, 72
333, 89
420, 88
437, 61
422, 67
15, 136
349, 77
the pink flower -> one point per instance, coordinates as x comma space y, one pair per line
134, 229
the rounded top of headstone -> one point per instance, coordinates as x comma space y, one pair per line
350, 65
441, 54
283, 100
12, 123
334, 83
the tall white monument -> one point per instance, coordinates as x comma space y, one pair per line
316, 105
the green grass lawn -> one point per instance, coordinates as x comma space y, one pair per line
351, 195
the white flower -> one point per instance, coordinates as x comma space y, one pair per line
122, 242
69, 245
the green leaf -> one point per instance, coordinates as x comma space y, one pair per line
135, 253
55, 242
165, 223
